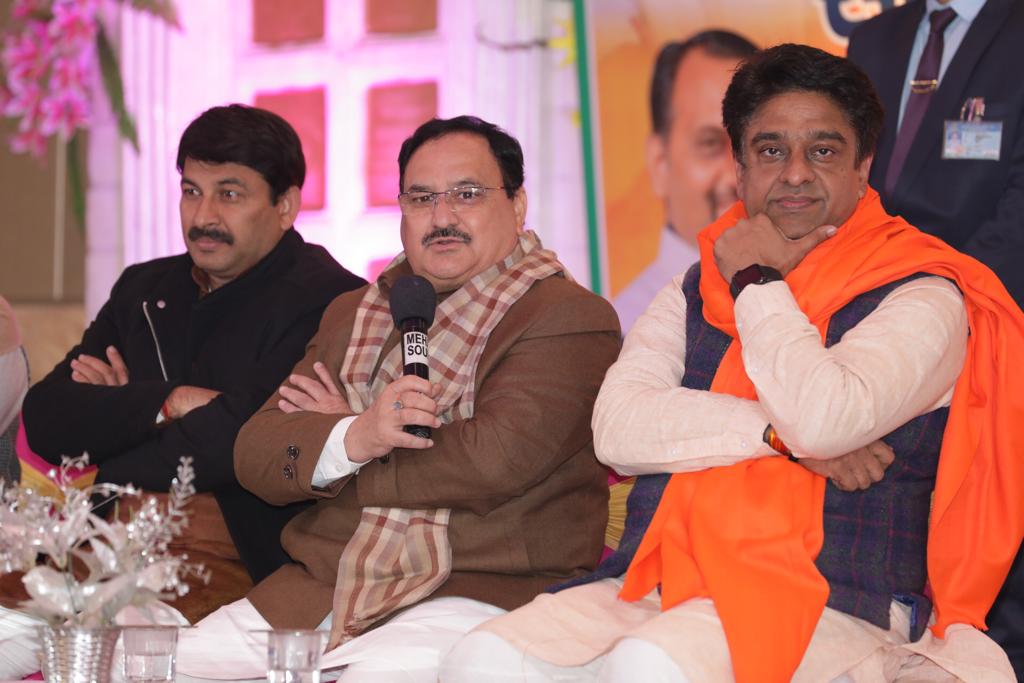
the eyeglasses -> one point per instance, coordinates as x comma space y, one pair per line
458, 199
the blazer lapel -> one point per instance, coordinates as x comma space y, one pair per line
890, 88
953, 90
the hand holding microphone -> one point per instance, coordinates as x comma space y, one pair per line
403, 414
413, 302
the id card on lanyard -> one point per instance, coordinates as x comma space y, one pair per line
971, 137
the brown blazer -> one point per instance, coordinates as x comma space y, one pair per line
528, 498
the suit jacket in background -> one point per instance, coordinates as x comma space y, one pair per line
240, 339
977, 206
528, 498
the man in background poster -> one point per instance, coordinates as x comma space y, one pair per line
688, 157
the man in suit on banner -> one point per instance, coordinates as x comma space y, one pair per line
688, 155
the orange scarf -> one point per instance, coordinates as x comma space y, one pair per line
747, 535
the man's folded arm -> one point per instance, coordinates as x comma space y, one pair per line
272, 440
207, 433
645, 422
531, 415
65, 417
901, 361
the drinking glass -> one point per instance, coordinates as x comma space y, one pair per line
293, 656
149, 653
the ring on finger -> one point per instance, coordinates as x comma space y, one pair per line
397, 405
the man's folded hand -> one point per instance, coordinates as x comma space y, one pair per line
185, 399
857, 470
317, 395
88, 369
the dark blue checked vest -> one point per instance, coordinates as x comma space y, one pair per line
875, 541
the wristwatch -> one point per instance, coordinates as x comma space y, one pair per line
752, 275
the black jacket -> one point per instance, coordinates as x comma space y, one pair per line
242, 339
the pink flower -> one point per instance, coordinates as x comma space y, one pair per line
28, 56
70, 72
25, 100
47, 61
31, 141
24, 62
63, 112
74, 22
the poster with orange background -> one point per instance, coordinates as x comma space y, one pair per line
623, 38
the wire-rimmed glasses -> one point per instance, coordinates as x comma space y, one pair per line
458, 199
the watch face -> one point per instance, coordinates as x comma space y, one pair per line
743, 277
752, 275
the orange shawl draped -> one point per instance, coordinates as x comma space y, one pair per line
747, 535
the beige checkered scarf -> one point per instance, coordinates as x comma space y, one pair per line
397, 557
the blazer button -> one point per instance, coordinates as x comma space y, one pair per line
288, 472
292, 451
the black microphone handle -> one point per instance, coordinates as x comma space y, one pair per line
414, 356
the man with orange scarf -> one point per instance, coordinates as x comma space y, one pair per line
819, 338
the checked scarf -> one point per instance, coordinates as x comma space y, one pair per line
397, 557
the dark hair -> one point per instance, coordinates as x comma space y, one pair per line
715, 42
504, 147
253, 137
787, 68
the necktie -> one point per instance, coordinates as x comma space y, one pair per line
921, 88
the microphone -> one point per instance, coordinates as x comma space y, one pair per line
413, 302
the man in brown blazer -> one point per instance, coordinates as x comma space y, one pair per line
504, 499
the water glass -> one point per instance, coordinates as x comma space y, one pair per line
293, 656
149, 653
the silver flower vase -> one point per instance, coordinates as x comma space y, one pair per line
71, 654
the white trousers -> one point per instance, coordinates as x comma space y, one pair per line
485, 656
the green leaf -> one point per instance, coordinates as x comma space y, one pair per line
112, 83
76, 179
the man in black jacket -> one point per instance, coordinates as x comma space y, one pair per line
189, 346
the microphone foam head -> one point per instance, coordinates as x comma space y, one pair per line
412, 296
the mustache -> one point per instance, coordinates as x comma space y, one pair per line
446, 232
196, 233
